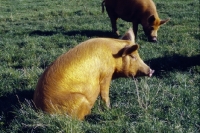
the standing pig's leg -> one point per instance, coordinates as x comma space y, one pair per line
113, 19
135, 28
104, 90
114, 26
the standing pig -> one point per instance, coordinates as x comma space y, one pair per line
72, 83
136, 11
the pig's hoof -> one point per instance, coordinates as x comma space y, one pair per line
116, 34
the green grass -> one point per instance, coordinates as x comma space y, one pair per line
35, 33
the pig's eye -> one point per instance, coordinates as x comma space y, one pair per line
133, 57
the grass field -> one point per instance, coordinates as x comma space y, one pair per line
33, 33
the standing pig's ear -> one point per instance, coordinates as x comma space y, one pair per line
129, 49
164, 21
129, 35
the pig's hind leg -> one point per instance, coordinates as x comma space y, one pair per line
84, 108
75, 105
113, 18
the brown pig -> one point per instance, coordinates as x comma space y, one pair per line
136, 11
72, 83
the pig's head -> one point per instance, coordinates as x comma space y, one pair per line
132, 64
151, 27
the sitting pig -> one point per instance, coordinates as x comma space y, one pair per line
136, 11
72, 83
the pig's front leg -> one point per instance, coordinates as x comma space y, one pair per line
104, 90
135, 28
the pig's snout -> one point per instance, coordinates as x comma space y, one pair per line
144, 72
151, 72
152, 39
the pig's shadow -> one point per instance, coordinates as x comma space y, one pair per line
88, 33
174, 63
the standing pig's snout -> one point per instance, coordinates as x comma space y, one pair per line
151, 72
152, 39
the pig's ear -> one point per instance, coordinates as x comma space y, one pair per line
164, 21
129, 35
129, 49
